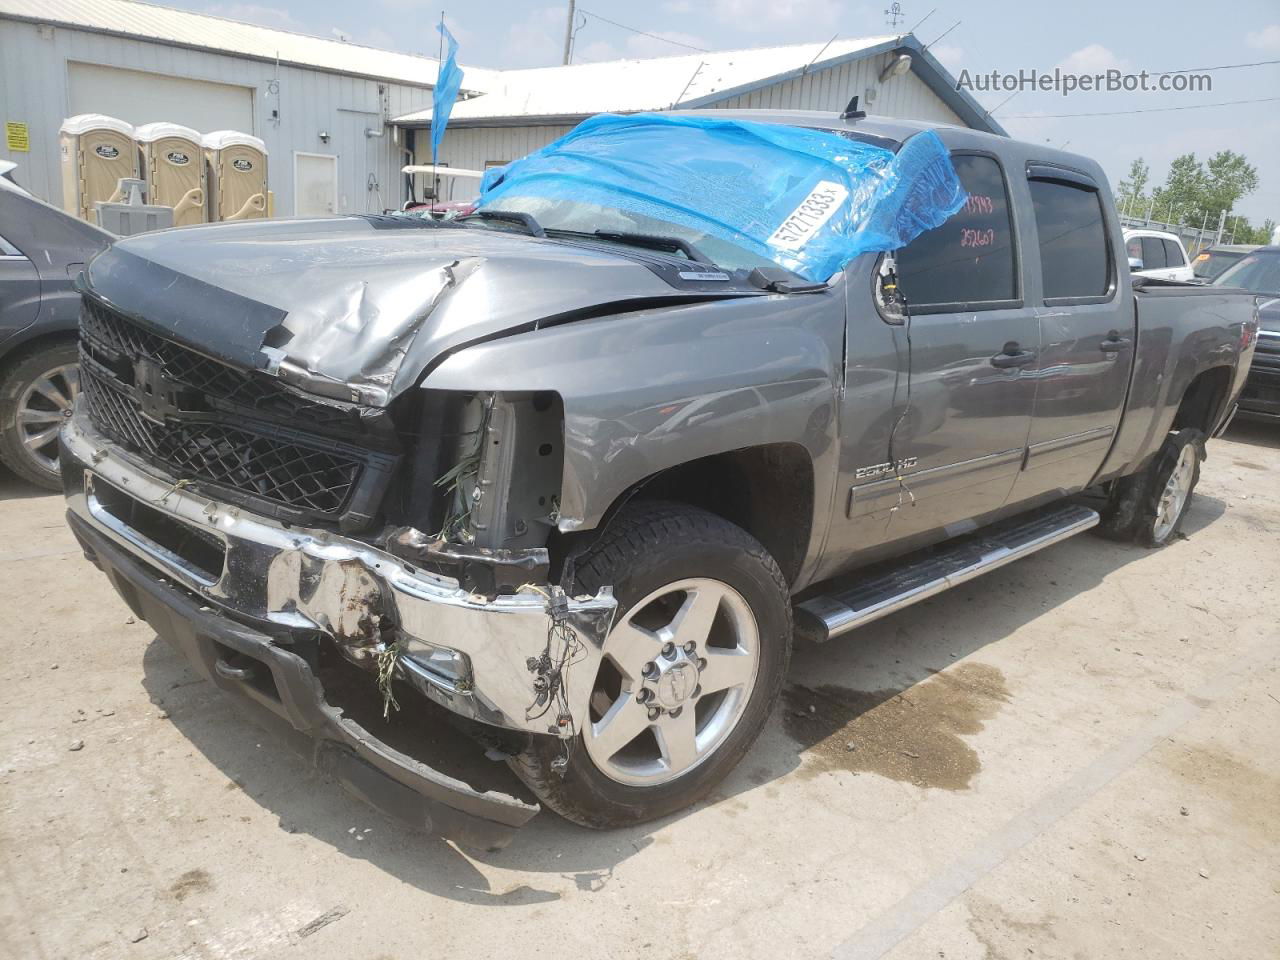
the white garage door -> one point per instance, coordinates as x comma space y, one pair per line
140, 97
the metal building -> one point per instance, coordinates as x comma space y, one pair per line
522, 110
340, 120
321, 106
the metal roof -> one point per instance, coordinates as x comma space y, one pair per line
628, 86
550, 94
130, 18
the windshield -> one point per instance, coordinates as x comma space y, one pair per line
741, 194
573, 216
1257, 273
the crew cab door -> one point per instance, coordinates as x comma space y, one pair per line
19, 290
1087, 331
934, 431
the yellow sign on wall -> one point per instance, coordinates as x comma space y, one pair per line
17, 138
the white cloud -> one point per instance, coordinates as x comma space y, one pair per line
254, 13
950, 56
1268, 38
1095, 58
761, 16
535, 41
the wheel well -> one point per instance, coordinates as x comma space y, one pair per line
1203, 400
765, 490
21, 351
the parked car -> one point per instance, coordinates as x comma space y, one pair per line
1153, 253
42, 250
1259, 272
579, 490
1208, 264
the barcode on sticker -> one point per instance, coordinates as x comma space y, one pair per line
806, 219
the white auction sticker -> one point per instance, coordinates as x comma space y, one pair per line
806, 219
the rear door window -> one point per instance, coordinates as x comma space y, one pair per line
7, 249
969, 260
1153, 257
1173, 254
1074, 260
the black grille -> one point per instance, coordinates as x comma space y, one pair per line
217, 381
205, 421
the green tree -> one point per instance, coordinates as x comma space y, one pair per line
1182, 198
1131, 194
1229, 177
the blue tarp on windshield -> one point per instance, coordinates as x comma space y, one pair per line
809, 200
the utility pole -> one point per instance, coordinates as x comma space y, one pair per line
568, 33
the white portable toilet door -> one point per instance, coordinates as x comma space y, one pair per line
315, 185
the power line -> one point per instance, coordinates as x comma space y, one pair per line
1117, 113
651, 36
1225, 66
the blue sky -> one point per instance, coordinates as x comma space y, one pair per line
1085, 37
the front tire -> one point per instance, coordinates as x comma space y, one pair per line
691, 669
1149, 507
37, 394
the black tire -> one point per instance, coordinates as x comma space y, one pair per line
645, 547
19, 375
1132, 512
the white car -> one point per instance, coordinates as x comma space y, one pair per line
1153, 253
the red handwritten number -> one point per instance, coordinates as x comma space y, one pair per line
978, 203
977, 238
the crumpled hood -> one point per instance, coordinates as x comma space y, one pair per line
357, 308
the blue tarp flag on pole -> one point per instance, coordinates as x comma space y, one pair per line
448, 80
808, 200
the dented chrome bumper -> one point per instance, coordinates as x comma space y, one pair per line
475, 656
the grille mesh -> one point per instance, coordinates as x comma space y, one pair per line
267, 467
220, 426
216, 380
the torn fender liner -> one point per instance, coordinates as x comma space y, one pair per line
282, 691
809, 200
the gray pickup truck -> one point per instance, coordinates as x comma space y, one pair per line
568, 481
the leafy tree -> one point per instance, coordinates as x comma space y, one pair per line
1230, 176
1131, 191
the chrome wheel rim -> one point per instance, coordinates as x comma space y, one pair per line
45, 404
1177, 489
677, 675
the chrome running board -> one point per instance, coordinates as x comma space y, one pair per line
877, 594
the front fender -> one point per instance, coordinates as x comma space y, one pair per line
650, 390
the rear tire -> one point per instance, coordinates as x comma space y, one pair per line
673, 569
37, 393
1149, 507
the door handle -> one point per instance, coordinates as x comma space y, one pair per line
1113, 344
1012, 356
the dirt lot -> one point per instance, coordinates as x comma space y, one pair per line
1076, 756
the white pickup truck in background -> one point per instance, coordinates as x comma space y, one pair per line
1154, 253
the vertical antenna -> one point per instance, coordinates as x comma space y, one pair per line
568, 34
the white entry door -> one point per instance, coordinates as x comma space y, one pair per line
315, 185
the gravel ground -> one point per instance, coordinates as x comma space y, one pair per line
1075, 756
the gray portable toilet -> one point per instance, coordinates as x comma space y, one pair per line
97, 153
237, 175
173, 166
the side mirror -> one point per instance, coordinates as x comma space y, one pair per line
889, 299
1135, 263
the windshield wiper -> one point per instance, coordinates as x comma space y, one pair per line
650, 241
511, 216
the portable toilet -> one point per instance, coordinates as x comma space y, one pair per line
97, 152
173, 165
237, 175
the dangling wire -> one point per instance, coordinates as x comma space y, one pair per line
903, 489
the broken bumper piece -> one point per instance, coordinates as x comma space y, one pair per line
216, 580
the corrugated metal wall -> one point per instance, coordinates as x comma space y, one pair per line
34, 90
905, 97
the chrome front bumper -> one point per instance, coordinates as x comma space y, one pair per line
294, 579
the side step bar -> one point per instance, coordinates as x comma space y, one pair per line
875, 595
